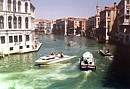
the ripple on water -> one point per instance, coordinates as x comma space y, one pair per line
15, 72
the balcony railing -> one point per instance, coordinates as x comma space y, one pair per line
126, 23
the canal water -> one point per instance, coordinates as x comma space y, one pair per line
18, 71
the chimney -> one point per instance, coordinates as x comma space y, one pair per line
114, 5
106, 7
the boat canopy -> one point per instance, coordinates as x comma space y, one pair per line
87, 56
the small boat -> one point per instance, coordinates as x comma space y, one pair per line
52, 58
78, 35
105, 52
54, 39
71, 43
87, 62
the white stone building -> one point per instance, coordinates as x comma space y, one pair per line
17, 27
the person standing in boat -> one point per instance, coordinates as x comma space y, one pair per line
61, 55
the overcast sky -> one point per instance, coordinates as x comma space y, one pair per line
54, 9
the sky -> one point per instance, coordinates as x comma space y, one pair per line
54, 9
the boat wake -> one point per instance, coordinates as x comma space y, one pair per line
87, 73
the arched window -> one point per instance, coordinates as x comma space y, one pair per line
14, 6
10, 22
26, 7
19, 6
26, 22
1, 5
19, 22
15, 22
1, 22
9, 5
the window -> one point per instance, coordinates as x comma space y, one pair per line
98, 19
20, 47
1, 5
15, 39
10, 22
26, 7
15, 22
14, 6
2, 39
20, 38
128, 1
108, 32
28, 46
10, 39
27, 37
26, 22
98, 23
1, 22
127, 17
19, 22
127, 11
9, 5
19, 6
108, 24
108, 14
11, 48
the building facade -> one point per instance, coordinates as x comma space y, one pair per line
17, 26
123, 35
83, 26
44, 26
60, 26
107, 20
70, 26
93, 24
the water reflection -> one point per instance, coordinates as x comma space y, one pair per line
118, 75
17, 62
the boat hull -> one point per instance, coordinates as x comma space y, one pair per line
55, 60
41, 62
104, 53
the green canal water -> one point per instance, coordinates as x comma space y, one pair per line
18, 71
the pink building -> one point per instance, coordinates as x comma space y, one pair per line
107, 20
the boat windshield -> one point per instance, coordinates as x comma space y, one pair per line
50, 58
47, 58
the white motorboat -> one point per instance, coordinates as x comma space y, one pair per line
52, 58
87, 62
44, 60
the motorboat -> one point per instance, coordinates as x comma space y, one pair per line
44, 60
87, 62
52, 58
71, 43
105, 52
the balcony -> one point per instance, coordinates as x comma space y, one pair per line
126, 23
